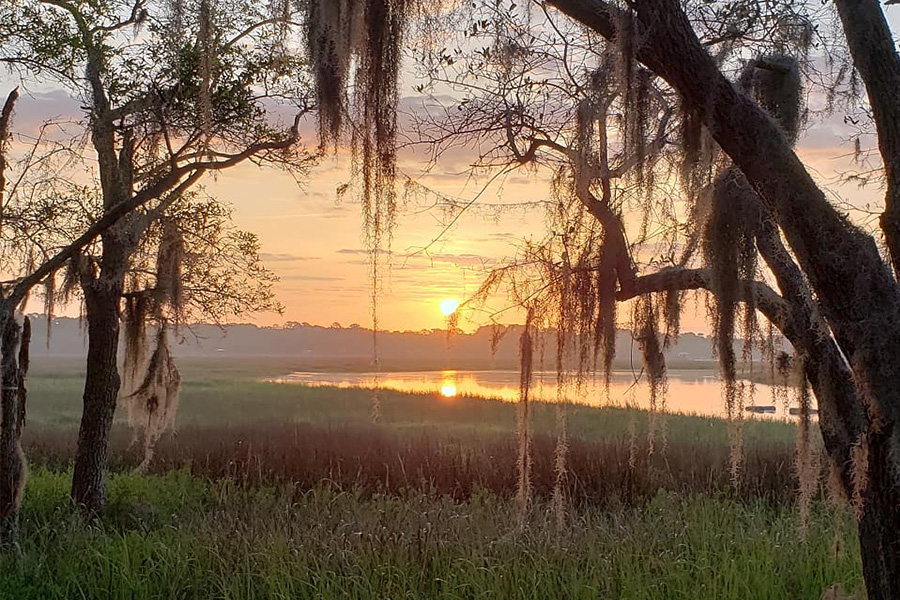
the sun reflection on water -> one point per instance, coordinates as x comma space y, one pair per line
448, 384
690, 391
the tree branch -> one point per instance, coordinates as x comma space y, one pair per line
250, 29
175, 182
110, 217
5, 119
842, 263
760, 295
875, 57
137, 14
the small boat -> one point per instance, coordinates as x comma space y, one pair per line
795, 411
761, 409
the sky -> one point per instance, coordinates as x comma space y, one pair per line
313, 239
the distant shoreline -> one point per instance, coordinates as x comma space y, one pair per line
260, 366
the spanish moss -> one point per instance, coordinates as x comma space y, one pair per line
645, 327
774, 83
523, 417
368, 35
807, 459
153, 405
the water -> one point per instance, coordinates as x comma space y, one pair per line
689, 391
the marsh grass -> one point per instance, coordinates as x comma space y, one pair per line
297, 494
459, 465
180, 536
264, 434
222, 392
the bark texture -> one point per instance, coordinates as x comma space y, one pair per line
875, 58
101, 389
102, 294
854, 375
13, 471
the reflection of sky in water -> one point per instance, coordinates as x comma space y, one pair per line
688, 391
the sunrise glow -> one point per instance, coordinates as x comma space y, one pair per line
449, 306
448, 384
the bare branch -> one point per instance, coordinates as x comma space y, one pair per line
5, 118
138, 13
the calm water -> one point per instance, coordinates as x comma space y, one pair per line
689, 391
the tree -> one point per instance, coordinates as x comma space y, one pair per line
855, 292
25, 226
875, 57
13, 471
173, 90
845, 323
546, 97
192, 265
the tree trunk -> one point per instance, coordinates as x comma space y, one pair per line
102, 295
879, 525
101, 389
857, 292
875, 58
12, 459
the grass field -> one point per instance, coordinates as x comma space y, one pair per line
218, 392
177, 536
277, 491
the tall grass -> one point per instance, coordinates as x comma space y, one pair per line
375, 461
178, 536
231, 426
271, 491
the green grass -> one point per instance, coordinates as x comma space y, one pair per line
177, 536
222, 392
191, 532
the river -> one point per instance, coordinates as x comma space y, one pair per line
689, 391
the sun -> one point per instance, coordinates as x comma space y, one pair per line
449, 306
448, 384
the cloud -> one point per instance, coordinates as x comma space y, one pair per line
460, 260
283, 257
504, 236
360, 251
310, 278
36, 108
421, 260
